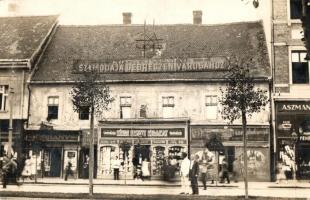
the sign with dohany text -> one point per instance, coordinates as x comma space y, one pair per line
137, 133
152, 65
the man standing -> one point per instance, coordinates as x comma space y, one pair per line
116, 165
204, 168
194, 172
184, 172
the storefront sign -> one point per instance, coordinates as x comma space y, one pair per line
158, 141
53, 136
293, 106
152, 65
106, 141
229, 134
177, 142
151, 133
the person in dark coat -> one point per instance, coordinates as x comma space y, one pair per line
225, 174
194, 173
68, 170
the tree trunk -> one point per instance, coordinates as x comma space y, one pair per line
91, 152
9, 153
245, 157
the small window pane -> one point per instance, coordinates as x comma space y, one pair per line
295, 57
165, 101
171, 100
303, 56
300, 72
125, 112
296, 9
211, 112
52, 112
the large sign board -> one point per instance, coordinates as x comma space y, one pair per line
152, 65
142, 133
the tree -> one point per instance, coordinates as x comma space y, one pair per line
240, 99
92, 93
306, 25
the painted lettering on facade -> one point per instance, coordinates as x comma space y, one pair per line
294, 106
153, 65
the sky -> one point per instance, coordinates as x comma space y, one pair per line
81, 12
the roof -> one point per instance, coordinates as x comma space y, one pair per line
20, 37
117, 42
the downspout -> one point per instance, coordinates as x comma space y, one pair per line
28, 109
273, 140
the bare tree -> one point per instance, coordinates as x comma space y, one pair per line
93, 94
240, 99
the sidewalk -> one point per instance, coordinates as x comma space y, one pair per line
150, 191
154, 189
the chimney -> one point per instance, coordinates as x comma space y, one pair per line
197, 17
127, 17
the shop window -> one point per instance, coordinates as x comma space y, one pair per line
300, 67
3, 96
211, 107
84, 113
296, 9
125, 107
168, 106
158, 160
53, 104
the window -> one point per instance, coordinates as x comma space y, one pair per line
300, 67
84, 113
53, 103
211, 107
168, 106
3, 96
296, 9
125, 107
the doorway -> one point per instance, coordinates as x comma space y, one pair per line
55, 155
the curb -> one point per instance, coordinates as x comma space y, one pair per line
127, 196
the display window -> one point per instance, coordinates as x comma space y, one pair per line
107, 154
158, 160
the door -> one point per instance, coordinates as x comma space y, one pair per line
55, 169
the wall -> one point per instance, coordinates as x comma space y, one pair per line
189, 102
17, 80
286, 37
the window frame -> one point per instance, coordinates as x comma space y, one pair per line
211, 104
49, 105
289, 19
4, 91
291, 51
81, 113
127, 104
168, 100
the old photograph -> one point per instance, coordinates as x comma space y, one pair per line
154, 99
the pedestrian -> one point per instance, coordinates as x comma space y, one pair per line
210, 164
68, 170
86, 167
5, 170
184, 173
145, 169
225, 174
116, 164
26, 173
204, 168
193, 174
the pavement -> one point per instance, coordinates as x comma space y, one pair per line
154, 189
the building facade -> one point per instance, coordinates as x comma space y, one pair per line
166, 84
291, 90
20, 48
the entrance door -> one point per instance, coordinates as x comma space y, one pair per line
55, 169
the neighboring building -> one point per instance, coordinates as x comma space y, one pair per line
291, 89
166, 83
22, 40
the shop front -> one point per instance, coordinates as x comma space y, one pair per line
159, 143
230, 137
52, 151
293, 138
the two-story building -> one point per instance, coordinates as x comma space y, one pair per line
22, 40
291, 90
166, 82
